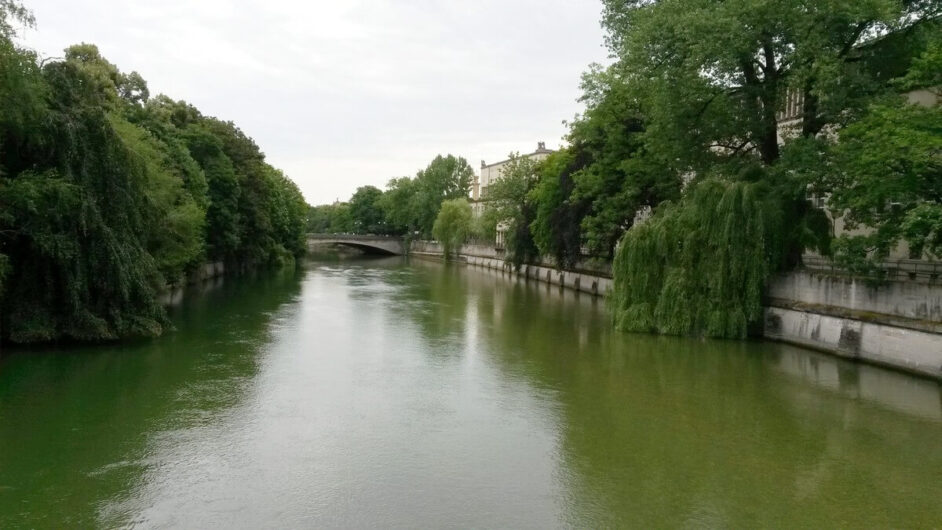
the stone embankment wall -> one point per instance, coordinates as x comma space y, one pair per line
173, 295
586, 278
897, 323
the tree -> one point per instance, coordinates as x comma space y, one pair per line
445, 178
341, 222
366, 211
508, 204
397, 204
175, 221
105, 193
223, 220
453, 225
78, 212
616, 170
926, 69
558, 215
710, 79
288, 212
318, 219
715, 75
10, 11
700, 265
886, 176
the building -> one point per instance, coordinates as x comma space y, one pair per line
491, 173
789, 127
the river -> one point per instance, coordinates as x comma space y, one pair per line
380, 393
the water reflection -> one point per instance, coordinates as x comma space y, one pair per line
712, 433
381, 393
77, 425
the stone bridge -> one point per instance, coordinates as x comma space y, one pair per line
367, 243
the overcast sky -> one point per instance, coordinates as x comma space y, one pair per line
344, 93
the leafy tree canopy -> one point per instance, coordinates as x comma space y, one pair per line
708, 81
446, 177
886, 176
509, 205
453, 225
366, 211
107, 196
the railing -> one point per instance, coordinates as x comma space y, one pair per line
362, 237
901, 269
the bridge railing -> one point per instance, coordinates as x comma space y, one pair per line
355, 237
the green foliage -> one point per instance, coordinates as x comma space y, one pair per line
885, 174
397, 204
926, 71
288, 214
80, 269
154, 115
332, 219
445, 178
617, 169
366, 211
223, 220
707, 80
408, 205
4, 270
12, 11
341, 222
106, 196
484, 225
509, 205
22, 95
714, 75
175, 220
556, 225
318, 219
453, 225
699, 266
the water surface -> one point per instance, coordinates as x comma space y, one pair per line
384, 394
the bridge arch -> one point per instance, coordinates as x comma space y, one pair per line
389, 245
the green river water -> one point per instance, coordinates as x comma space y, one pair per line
376, 393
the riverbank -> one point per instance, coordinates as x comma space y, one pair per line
173, 294
586, 278
896, 324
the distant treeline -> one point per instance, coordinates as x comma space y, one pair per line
407, 206
108, 195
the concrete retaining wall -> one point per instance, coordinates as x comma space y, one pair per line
907, 299
173, 295
895, 323
582, 282
488, 257
909, 349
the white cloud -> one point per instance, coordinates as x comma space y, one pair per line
341, 94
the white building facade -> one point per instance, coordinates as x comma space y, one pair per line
489, 174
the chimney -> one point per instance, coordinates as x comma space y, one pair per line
541, 146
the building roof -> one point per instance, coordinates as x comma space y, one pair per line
540, 150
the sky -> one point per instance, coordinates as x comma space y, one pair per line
345, 93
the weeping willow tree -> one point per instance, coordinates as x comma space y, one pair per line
106, 199
699, 265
